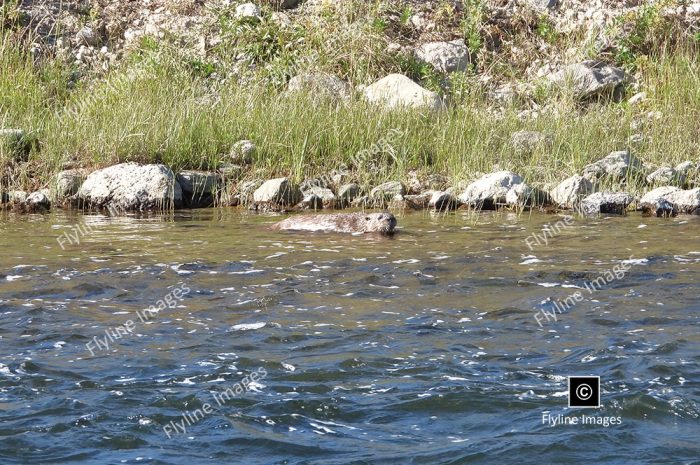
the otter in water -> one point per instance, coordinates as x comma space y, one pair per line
383, 223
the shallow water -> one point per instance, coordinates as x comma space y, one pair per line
422, 348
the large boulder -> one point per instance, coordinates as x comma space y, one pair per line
615, 203
130, 186
446, 57
570, 191
616, 166
490, 189
321, 85
591, 79
684, 201
279, 191
398, 91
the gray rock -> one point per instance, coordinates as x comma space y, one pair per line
198, 182
87, 36
130, 186
246, 190
242, 152
248, 11
325, 195
398, 91
685, 167
17, 196
278, 191
526, 142
664, 176
542, 5
413, 201
656, 195
311, 202
348, 192
590, 79
617, 165
490, 189
387, 191
283, 4
68, 183
321, 85
230, 170
684, 201
615, 203
446, 57
38, 200
442, 200
522, 195
570, 191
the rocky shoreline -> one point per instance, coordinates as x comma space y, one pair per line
132, 187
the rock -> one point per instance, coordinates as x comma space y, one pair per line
637, 98
617, 165
321, 85
570, 191
435, 181
526, 142
347, 193
247, 189
198, 182
661, 208
248, 11
68, 183
87, 36
413, 201
660, 193
17, 196
38, 200
591, 79
398, 91
686, 201
282, 4
325, 195
664, 176
311, 202
615, 203
229, 170
442, 200
387, 191
446, 57
490, 189
278, 191
130, 186
542, 4
685, 167
522, 195
242, 152
198, 188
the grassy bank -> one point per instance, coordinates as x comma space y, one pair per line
159, 104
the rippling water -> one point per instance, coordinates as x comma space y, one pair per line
417, 349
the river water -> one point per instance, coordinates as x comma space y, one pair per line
421, 348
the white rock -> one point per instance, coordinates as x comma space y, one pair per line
396, 91
570, 191
249, 11
590, 79
446, 57
606, 203
130, 186
279, 191
490, 189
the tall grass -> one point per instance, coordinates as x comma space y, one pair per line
157, 107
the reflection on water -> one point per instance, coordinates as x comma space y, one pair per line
419, 348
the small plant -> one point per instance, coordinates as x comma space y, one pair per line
405, 16
471, 25
637, 32
546, 30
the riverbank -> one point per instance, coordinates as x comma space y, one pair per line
324, 92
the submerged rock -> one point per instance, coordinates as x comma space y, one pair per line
446, 57
397, 91
614, 203
130, 186
617, 165
591, 79
569, 192
661, 208
278, 191
490, 189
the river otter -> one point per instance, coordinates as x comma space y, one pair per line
340, 222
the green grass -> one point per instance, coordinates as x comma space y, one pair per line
161, 105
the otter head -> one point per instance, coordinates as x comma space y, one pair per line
380, 222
